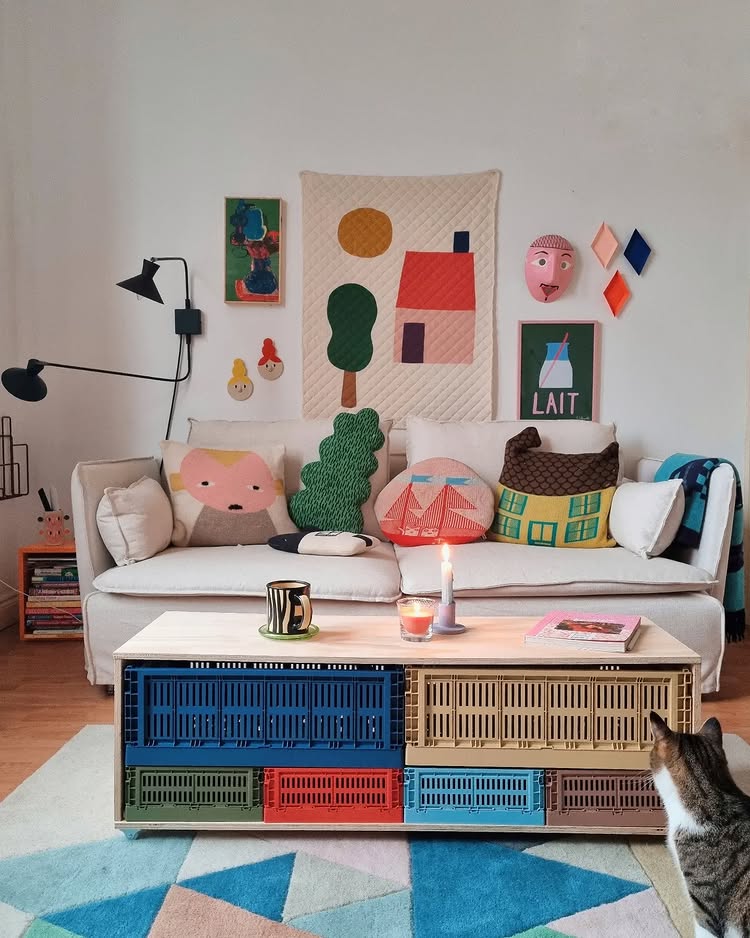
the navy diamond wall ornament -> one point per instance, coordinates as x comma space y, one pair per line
637, 252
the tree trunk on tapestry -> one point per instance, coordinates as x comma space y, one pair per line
352, 311
349, 389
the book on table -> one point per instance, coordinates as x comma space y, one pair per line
594, 631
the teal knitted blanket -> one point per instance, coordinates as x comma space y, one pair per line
695, 472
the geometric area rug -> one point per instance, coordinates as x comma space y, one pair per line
65, 872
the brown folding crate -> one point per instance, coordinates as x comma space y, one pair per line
590, 798
540, 718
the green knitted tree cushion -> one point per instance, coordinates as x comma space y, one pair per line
339, 483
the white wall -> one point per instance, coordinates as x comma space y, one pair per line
13, 514
136, 118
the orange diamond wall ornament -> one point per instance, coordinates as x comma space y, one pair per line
616, 293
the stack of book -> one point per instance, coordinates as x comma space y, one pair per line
54, 601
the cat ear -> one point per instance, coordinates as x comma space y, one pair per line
658, 726
712, 730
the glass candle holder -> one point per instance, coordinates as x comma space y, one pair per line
415, 615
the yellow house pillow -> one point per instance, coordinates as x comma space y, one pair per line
554, 499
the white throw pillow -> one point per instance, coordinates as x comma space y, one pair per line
135, 523
482, 445
645, 516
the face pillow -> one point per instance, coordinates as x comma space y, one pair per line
226, 497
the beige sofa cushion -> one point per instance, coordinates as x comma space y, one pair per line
301, 439
244, 571
491, 569
482, 445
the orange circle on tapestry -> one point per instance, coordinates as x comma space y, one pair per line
365, 232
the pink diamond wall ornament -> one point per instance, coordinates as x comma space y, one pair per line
616, 293
605, 244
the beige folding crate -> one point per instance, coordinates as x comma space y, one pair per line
538, 718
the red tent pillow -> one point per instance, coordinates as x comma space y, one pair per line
436, 501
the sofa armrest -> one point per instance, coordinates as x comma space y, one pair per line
86, 488
712, 554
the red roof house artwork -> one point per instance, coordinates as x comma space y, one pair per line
436, 306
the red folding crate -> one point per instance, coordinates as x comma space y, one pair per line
347, 796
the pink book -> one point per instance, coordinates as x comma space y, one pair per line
593, 630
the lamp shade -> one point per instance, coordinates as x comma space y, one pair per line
143, 283
25, 383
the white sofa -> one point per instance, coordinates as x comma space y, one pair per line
490, 578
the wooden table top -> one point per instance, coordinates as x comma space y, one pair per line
496, 641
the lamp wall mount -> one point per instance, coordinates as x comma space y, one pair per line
188, 321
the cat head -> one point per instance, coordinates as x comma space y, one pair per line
691, 759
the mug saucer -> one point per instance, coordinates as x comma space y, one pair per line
294, 636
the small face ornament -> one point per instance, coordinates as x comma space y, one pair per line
270, 366
239, 386
550, 262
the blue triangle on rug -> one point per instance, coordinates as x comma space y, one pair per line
515, 891
385, 916
256, 887
129, 916
67, 877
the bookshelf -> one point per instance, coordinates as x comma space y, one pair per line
50, 575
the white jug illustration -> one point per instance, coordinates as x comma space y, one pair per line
556, 370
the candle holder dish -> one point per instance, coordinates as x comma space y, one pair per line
446, 621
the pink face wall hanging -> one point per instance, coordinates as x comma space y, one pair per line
550, 262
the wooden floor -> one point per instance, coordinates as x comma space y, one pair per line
45, 699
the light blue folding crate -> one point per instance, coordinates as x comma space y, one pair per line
474, 796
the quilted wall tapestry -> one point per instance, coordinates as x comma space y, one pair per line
399, 284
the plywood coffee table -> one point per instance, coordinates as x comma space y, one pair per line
479, 729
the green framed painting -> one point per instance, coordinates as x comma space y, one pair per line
253, 250
558, 370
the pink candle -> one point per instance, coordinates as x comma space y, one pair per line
416, 620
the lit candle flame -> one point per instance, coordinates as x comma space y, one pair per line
446, 552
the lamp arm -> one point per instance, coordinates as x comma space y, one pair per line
123, 374
187, 282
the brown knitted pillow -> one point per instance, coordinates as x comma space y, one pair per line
554, 499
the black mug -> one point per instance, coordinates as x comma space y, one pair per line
288, 607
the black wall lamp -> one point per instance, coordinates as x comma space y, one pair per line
27, 385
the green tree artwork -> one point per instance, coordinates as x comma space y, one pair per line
339, 483
352, 311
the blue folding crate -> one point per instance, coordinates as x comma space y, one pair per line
264, 716
474, 796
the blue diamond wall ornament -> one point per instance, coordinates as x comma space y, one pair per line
637, 252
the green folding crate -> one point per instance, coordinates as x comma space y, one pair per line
154, 793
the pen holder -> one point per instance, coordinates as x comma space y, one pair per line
446, 621
53, 530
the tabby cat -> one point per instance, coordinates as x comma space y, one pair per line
708, 826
